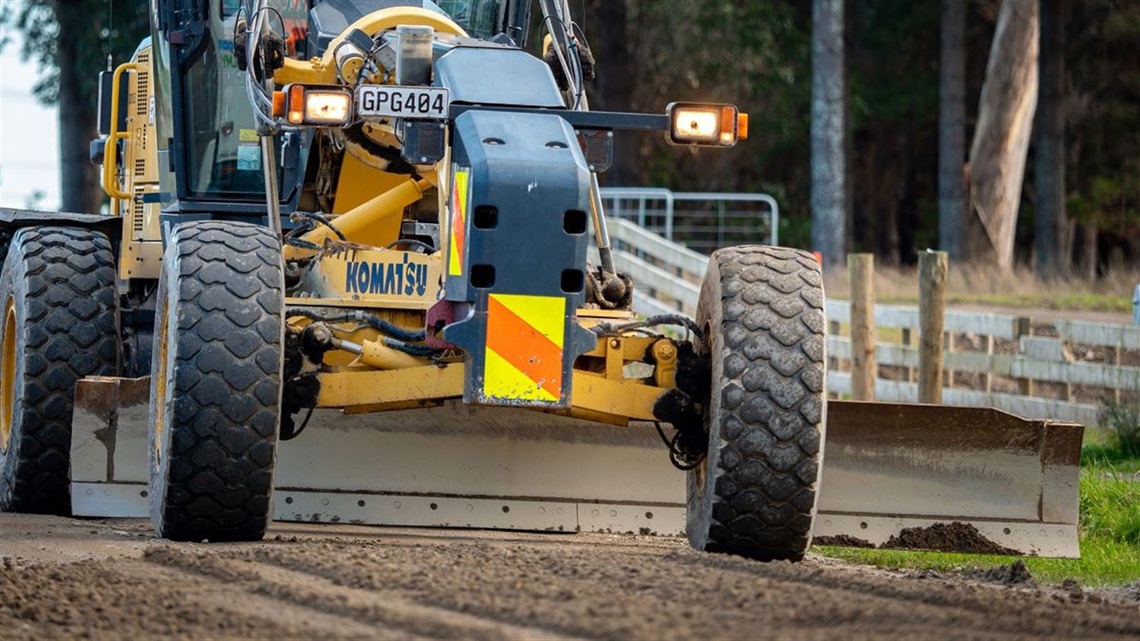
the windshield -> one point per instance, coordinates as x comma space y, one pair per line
479, 18
222, 147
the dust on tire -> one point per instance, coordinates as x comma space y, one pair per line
756, 493
60, 285
221, 316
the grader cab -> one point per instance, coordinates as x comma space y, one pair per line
344, 278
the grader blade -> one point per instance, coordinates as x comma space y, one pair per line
887, 467
890, 466
448, 466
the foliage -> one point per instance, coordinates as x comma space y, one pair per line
764, 66
116, 34
1103, 104
1110, 505
757, 54
1120, 423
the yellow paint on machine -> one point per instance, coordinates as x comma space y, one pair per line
502, 380
459, 213
547, 314
524, 348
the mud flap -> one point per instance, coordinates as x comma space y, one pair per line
886, 467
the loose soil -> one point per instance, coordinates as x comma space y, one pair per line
843, 540
946, 537
65, 578
1013, 574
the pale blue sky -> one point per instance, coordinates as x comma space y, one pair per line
29, 135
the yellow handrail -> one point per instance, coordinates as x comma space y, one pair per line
110, 157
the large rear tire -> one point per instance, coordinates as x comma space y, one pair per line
59, 323
755, 493
216, 382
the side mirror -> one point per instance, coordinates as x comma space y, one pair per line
96, 150
106, 79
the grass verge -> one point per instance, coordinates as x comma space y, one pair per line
1109, 537
980, 284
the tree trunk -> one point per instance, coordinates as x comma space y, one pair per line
79, 179
1088, 251
1001, 139
1052, 257
952, 129
828, 133
615, 82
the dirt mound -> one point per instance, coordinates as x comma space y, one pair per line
1014, 574
842, 540
946, 537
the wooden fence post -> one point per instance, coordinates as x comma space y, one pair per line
988, 378
1024, 328
861, 271
932, 269
1112, 357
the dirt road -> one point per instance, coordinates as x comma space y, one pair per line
66, 578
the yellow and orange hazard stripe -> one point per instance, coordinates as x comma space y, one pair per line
525, 341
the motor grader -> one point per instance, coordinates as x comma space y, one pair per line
344, 277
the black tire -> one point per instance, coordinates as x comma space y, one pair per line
755, 493
59, 322
216, 382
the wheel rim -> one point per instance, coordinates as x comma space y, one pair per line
702, 469
8, 371
160, 384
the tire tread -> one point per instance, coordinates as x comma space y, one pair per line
70, 331
226, 386
771, 386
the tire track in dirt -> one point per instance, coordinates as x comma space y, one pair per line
309, 591
602, 592
134, 599
223, 593
972, 605
347, 581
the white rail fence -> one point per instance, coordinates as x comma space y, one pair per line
1049, 376
702, 221
1034, 369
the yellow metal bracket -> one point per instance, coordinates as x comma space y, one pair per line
379, 388
323, 70
372, 390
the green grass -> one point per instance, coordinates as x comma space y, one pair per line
1109, 535
1083, 302
1109, 459
1086, 302
1103, 563
981, 284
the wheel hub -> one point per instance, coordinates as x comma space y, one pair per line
8, 372
159, 382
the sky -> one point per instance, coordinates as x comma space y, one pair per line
29, 136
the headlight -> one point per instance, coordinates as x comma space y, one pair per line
694, 123
327, 107
316, 105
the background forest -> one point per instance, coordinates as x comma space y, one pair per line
758, 54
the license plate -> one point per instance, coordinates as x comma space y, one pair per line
376, 101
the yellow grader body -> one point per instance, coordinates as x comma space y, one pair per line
364, 297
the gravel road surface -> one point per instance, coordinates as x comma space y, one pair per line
70, 578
